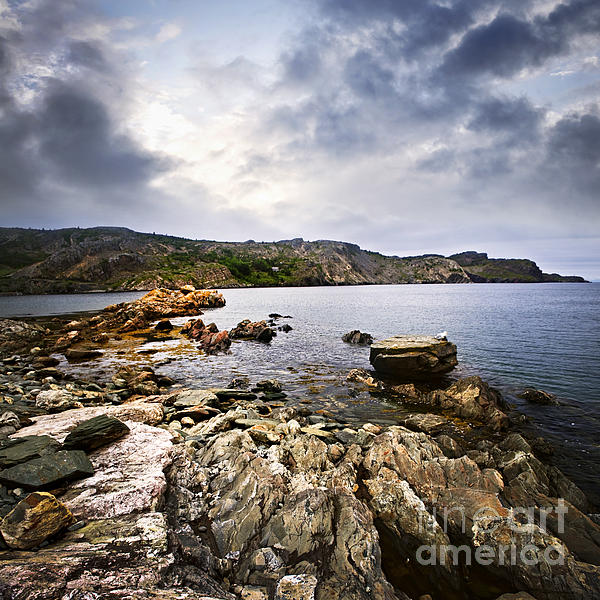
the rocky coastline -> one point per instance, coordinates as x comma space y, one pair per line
142, 488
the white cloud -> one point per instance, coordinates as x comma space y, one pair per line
169, 31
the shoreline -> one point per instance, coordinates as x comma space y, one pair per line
344, 487
333, 285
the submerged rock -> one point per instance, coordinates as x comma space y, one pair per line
411, 357
538, 397
33, 520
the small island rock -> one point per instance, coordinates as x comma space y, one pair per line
413, 357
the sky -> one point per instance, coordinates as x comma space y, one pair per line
405, 126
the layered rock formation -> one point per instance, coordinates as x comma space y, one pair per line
228, 514
410, 357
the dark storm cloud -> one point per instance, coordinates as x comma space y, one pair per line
404, 73
366, 77
68, 135
87, 54
573, 153
514, 115
76, 137
509, 44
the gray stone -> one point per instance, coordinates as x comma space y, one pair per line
95, 432
48, 471
413, 357
23, 449
358, 337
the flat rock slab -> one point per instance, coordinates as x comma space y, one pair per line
20, 450
50, 470
95, 433
59, 425
428, 422
195, 398
129, 476
413, 357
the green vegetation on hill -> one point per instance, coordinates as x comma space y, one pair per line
112, 258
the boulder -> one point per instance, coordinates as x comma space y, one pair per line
413, 357
246, 330
191, 398
357, 337
129, 476
48, 471
94, 433
9, 423
268, 385
209, 337
20, 450
164, 325
59, 425
57, 400
82, 354
473, 399
33, 520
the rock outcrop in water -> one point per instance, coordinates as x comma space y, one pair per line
161, 304
413, 357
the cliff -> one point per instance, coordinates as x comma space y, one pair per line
112, 258
482, 269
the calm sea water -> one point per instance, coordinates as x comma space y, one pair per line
513, 335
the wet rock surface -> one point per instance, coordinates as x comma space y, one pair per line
411, 357
247, 330
357, 337
539, 397
209, 338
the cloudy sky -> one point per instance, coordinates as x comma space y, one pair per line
406, 126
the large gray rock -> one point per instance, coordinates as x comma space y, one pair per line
413, 357
48, 471
59, 425
20, 450
95, 432
57, 400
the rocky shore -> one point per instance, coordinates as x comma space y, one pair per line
140, 488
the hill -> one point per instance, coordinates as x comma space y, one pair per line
118, 259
